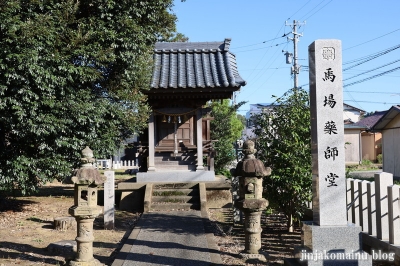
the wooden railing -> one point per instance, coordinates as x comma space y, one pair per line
110, 164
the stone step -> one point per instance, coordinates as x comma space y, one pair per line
175, 199
175, 167
175, 196
175, 186
174, 162
174, 206
175, 192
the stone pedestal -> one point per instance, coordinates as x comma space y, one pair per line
252, 209
331, 245
84, 242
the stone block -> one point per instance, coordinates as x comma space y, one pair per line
175, 176
219, 198
338, 245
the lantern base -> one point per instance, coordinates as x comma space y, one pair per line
247, 257
92, 262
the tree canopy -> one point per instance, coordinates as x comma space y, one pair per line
284, 143
71, 75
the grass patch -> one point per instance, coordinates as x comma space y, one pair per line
168, 193
120, 174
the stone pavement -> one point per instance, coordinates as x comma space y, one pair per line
170, 238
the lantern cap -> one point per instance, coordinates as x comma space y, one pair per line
250, 166
87, 174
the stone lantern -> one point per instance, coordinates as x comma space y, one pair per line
251, 172
85, 209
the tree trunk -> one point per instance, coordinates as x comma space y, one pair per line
64, 223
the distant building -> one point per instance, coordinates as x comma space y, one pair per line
351, 114
389, 126
254, 110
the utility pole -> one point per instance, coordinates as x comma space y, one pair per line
295, 70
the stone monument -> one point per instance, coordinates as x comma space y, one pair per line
329, 239
251, 202
85, 209
109, 200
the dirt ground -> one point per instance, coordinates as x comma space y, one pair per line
26, 229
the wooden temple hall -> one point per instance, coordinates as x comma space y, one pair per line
186, 76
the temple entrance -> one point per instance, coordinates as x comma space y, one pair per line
174, 134
185, 77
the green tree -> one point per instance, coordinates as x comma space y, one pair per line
227, 129
284, 143
72, 74
242, 119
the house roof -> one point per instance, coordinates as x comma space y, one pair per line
348, 106
186, 66
369, 121
387, 117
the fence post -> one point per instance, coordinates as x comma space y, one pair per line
356, 201
382, 181
371, 208
394, 212
349, 199
363, 200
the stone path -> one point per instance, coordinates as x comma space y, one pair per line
170, 238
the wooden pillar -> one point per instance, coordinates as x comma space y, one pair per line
199, 138
151, 166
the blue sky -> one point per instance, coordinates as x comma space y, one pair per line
367, 28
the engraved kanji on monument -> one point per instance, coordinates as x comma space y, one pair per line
327, 133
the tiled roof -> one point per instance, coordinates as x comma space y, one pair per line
195, 65
371, 120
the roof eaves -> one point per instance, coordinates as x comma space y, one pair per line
386, 118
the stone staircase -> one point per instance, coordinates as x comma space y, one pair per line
175, 196
166, 161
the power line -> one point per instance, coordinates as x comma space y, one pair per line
265, 52
367, 58
371, 40
298, 10
371, 102
261, 48
377, 92
315, 11
372, 69
256, 43
372, 77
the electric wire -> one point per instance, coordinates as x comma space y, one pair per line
371, 40
234, 48
373, 102
314, 9
372, 69
377, 92
371, 77
367, 58
278, 44
299, 10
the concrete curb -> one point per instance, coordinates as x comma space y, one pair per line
129, 238
212, 246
